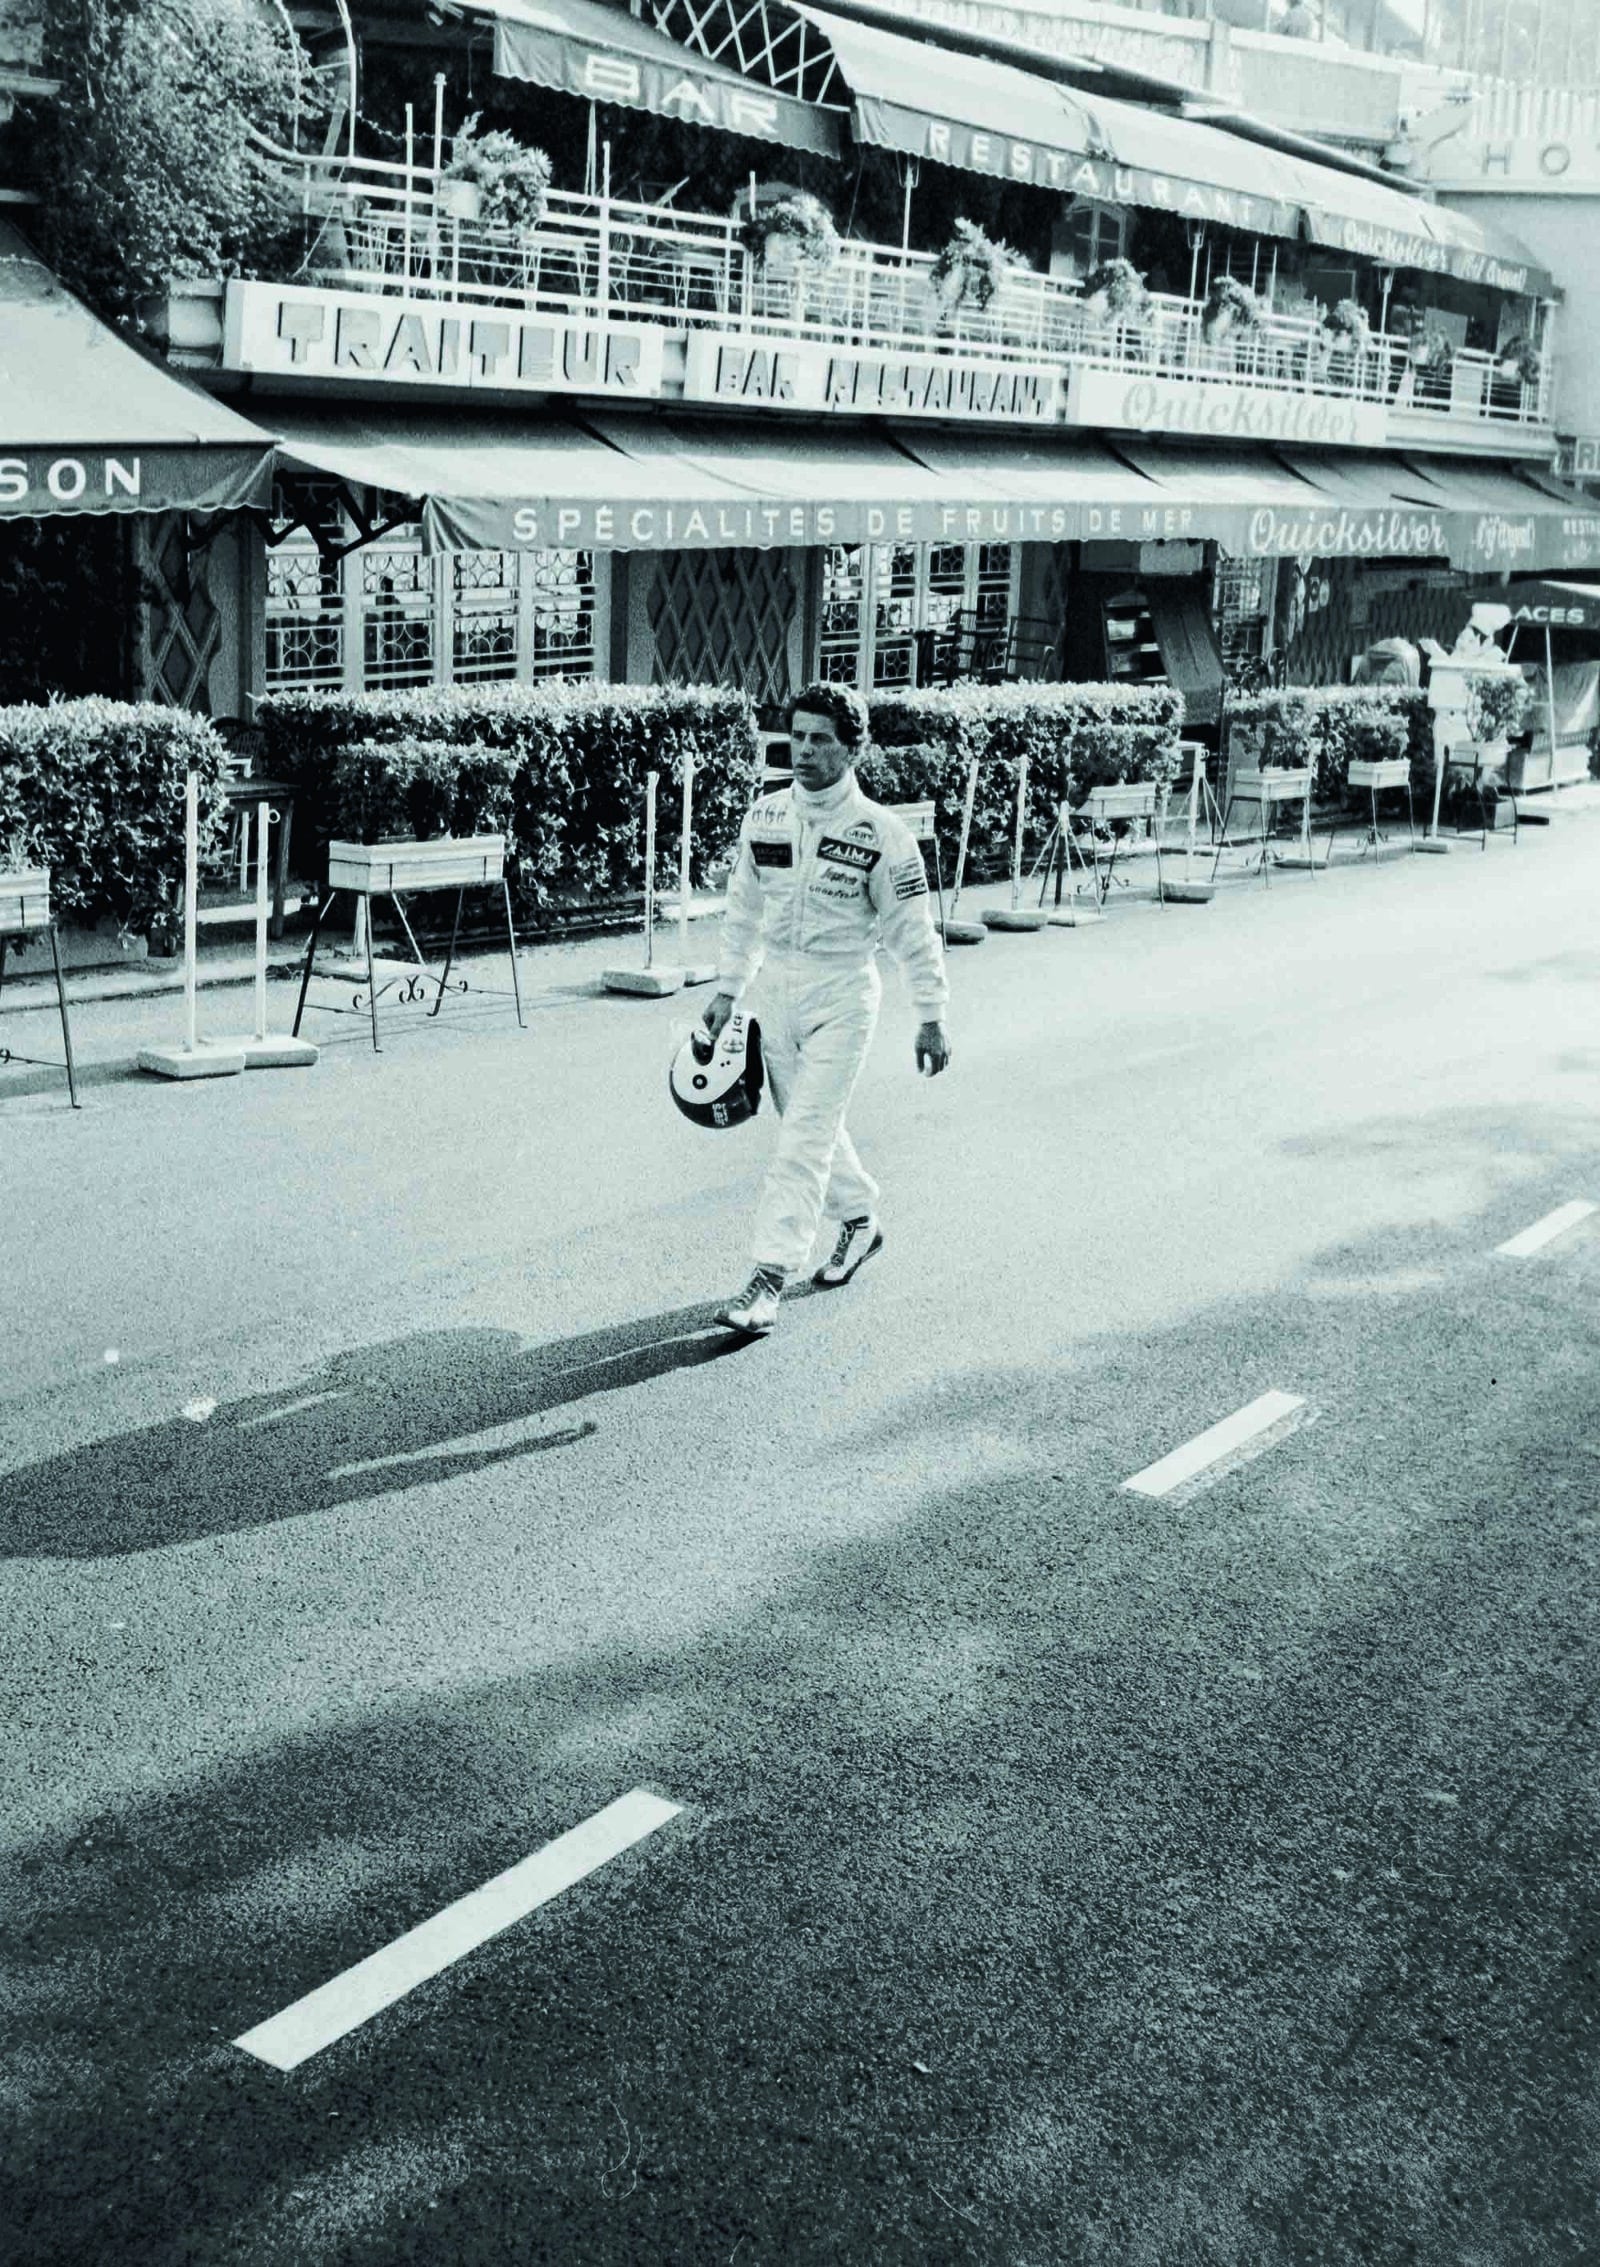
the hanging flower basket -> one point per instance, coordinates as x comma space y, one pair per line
1115, 291
1519, 359
971, 268
494, 178
1230, 306
792, 226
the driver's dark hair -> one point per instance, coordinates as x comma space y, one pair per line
843, 707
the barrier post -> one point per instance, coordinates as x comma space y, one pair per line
649, 981
1017, 916
964, 932
1188, 891
262, 1051
191, 1060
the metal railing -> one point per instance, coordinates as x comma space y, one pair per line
387, 228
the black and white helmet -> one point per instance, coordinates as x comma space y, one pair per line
718, 1082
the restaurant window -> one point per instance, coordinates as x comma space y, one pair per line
894, 613
390, 615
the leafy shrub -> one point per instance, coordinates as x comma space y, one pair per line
795, 217
94, 789
972, 266
558, 767
1232, 301
1074, 736
1122, 287
1329, 727
1497, 706
146, 156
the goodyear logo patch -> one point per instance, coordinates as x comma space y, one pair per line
772, 853
860, 856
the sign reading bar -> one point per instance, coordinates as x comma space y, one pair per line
813, 377
288, 330
1222, 411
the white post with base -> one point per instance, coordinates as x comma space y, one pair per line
1018, 916
648, 982
964, 932
191, 1060
1189, 891
265, 1050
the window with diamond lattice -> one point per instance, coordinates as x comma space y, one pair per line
891, 610
305, 618
723, 618
397, 607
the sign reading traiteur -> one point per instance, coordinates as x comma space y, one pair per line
304, 331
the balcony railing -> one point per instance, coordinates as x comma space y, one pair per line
382, 228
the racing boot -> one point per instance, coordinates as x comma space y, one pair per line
856, 1242
755, 1310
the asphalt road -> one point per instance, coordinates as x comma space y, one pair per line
1061, 1874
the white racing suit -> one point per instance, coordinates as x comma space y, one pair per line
818, 881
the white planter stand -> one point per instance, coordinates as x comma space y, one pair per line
193, 1059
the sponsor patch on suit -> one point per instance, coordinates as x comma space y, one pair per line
910, 877
860, 856
772, 853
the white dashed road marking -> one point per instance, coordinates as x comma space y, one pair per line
1238, 1436
349, 2000
1546, 1231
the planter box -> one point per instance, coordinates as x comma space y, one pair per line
1270, 786
24, 900
453, 862
1135, 799
1380, 772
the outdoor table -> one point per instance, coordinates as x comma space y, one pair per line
368, 870
24, 907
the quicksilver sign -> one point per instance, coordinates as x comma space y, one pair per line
1386, 532
1222, 411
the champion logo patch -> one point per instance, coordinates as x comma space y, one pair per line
838, 852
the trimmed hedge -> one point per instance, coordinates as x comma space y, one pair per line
558, 767
1075, 737
1330, 726
94, 789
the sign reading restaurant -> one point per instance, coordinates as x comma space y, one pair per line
813, 377
294, 331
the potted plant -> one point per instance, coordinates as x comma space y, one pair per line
1230, 305
1497, 709
1115, 290
789, 228
972, 267
1519, 358
495, 179
1351, 331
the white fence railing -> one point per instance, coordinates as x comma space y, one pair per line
385, 228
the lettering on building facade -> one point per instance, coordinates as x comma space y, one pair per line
40, 481
1222, 411
286, 331
718, 368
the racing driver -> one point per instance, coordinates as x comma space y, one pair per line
821, 876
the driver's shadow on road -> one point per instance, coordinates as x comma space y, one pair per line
373, 1419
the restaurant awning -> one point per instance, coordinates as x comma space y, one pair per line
1504, 519
1544, 604
89, 424
601, 54
629, 483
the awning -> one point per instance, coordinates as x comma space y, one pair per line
959, 110
1501, 519
629, 483
1355, 215
601, 54
1545, 605
1181, 165
88, 424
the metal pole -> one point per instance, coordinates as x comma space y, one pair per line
683, 858
650, 868
966, 833
1016, 844
411, 162
1550, 700
263, 826
438, 123
191, 892
603, 279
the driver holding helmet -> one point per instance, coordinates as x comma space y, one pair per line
822, 876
